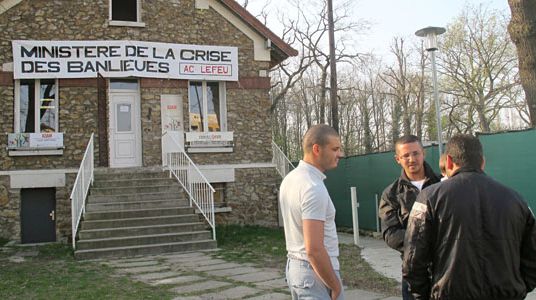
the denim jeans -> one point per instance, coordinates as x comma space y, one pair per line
305, 284
406, 295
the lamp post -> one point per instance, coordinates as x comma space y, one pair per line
430, 43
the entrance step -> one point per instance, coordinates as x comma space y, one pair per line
139, 211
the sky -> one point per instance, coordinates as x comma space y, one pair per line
390, 18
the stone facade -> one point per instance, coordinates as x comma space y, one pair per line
252, 196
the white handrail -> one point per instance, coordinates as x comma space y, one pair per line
199, 190
83, 180
281, 161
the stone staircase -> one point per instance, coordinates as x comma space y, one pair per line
139, 211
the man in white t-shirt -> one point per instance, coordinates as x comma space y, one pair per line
309, 219
398, 198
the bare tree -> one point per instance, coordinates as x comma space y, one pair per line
523, 33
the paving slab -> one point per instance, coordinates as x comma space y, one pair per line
200, 287
205, 262
140, 270
178, 280
217, 267
531, 296
257, 277
135, 264
233, 271
392, 298
238, 292
272, 296
362, 295
277, 283
155, 276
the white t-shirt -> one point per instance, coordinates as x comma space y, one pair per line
303, 196
418, 183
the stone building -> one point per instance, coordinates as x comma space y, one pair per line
129, 72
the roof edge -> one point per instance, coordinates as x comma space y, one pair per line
252, 21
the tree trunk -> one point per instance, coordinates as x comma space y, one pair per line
522, 29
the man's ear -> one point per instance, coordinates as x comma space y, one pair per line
449, 164
316, 149
397, 159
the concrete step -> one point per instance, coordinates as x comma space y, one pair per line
145, 249
137, 213
119, 223
129, 173
135, 190
114, 242
132, 182
140, 230
130, 197
133, 205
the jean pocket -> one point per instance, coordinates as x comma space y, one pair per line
303, 280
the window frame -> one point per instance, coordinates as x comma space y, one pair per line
137, 23
37, 104
222, 90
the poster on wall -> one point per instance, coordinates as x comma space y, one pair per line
35, 140
85, 59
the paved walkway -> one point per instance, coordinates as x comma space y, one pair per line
200, 276
195, 276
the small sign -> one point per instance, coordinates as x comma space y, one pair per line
35, 140
209, 136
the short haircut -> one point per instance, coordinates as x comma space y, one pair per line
407, 139
465, 151
317, 134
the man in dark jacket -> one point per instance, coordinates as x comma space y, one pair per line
397, 199
475, 235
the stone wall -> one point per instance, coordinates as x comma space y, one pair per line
252, 197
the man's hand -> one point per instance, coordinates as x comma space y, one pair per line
313, 236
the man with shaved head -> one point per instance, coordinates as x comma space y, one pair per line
309, 219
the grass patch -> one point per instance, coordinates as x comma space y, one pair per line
265, 247
54, 274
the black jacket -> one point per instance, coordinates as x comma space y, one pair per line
395, 205
478, 238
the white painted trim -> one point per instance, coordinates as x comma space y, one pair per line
7, 4
260, 52
209, 149
50, 179
238, 166
37, 172
35, 152
126, 23
201, 4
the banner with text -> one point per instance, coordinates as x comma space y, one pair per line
85, 59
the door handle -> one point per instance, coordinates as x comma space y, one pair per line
52, 215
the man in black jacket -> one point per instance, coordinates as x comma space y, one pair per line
397, 199
475, 235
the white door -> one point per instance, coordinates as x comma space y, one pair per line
125, 135
172, 123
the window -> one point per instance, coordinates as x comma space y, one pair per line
125, 10
207, 106
36, 106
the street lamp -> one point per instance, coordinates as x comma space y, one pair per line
430, 44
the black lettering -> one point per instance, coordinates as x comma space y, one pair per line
89, 67
130, 50
102, 51
138, 67
64, 52
89, 51
150, 66
41, 67
114, 51
25, 53
225, 56
46, 51
54, 67
27, 67
77, 50
187, 54
155, 54
74, 66
127, 65
142, 52
170, 54
214, 56
200, 55
163, 67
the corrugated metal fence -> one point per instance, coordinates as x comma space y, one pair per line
510, 159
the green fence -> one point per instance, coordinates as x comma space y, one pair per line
509, 159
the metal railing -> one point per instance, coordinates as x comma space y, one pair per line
83, 180
199, 190
281, 161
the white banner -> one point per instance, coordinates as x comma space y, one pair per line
84, 59
35, 140
209, 136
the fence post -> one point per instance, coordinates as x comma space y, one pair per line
355, 217
377, 213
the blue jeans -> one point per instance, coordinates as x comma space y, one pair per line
406, 295
305, 284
